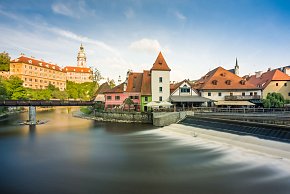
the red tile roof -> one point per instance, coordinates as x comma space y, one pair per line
77, 69
221, 79
146, 84
160, 64
134, 82
267, 77
117, 89
36, 62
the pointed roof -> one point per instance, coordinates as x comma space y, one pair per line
221, 79
237, 65
263, 80
134, 82
146, 84
160, 64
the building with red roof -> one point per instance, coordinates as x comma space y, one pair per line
272, 81
224, 87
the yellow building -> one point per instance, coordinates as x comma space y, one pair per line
272, 81
38, 74
80, 73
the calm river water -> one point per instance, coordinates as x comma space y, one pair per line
69, 155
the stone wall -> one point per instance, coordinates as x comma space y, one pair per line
134, 117
161, 119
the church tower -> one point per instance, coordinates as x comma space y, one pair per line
82, 59
237, 68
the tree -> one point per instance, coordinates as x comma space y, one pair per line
128, 102
15, 89
111, 82
97, 75
3, 92
4, 62
274, 100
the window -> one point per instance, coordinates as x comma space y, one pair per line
214, 82
285, 84
131, 97
255, 93
109, 97
117, 97
160, 98
277, 84
243, 94
228, 82
160, 79
146, 99
220, 94
289, 94
231, 94
160, 89
251, 93
136, 97
209, 94
184, 90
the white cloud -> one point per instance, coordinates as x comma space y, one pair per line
63, 9
180, 15
145, 44
129, 13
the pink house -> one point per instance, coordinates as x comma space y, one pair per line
115, 96
131, 88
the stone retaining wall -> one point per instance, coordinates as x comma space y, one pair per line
134, 117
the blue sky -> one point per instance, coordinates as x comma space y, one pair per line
195, 36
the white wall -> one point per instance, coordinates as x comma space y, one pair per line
178, 93
215, 96
165, 85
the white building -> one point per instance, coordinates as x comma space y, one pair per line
160, 79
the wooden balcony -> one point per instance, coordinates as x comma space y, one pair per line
240, 97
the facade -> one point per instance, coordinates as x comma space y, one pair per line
5, 74
115, 97
38, 74
223, 86
100, 96
146, 96
81, 73
160, 79
272, 81
133, 88
184, 96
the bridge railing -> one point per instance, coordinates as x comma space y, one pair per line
45, 103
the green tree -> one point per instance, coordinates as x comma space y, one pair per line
4, 62
274, 100
15, 89
62, 95
3, 92
128, 102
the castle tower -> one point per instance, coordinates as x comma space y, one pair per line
82, 59
160, 79
237, 68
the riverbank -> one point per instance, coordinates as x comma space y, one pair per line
274, 149
117, 117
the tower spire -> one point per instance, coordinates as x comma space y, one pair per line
81, 59
237, 68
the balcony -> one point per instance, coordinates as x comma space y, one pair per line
240, 97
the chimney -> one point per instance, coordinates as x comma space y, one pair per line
269, 69
258, 74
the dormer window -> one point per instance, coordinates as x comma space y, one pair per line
223, 74
30, 61
214, 82
228, 82
243, 82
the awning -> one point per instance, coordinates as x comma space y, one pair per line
189, 99
234, 103
157, 104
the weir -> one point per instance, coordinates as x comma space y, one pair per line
261, 130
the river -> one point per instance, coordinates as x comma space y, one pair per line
69, 155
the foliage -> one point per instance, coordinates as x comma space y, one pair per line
128, 102
3, 92
4, 61
14, 88
111, 82
274, 100
83, 91
86, 110
44, 94
97, 76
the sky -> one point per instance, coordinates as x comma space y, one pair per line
195, 36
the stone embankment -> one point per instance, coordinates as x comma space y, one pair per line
161, 119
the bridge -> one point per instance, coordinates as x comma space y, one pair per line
33, 103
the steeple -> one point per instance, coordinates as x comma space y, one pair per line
160, 64
237, 68
81, 59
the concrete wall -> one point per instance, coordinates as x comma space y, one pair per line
134, 117
161, 119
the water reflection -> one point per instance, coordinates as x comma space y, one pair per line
72, 155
